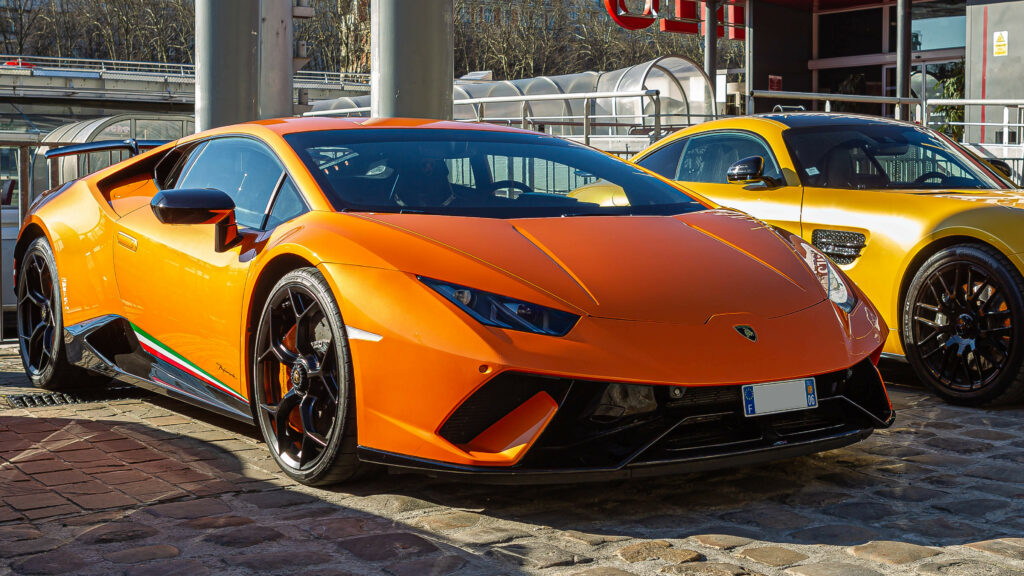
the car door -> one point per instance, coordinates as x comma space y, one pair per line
183, 297
700, 163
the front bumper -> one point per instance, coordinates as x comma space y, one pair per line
608, 430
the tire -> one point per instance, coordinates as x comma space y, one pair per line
41, 324
302, 382
963, 326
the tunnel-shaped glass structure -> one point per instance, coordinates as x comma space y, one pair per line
120, 127
683, 90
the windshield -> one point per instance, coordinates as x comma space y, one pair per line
877, 156
475, 173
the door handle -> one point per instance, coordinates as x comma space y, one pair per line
842, 246
127, 241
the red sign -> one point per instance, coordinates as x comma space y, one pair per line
685, 19
774, 83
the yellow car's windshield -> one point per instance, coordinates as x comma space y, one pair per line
880, 156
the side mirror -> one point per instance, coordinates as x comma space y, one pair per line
746, 171
199, 206
1001, 166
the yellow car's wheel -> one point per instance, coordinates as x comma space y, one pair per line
963, 325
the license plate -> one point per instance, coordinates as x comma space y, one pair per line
775, 397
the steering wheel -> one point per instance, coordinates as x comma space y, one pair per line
929, 175
511, 184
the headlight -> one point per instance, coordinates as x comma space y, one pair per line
503, 312
831, 280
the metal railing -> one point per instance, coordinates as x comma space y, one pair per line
1008, 105
185, 71
828, 99
650, 125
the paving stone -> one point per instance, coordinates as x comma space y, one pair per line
890, 552
334, 528
392, 504
488, 535
277, 499
641, 551
944, 461
175, 567
42, 466
837, 534
987, 434
117, 532
722, 541
56, 562
680, 555
972, 506
393, 546
244, 536
909, 494
831, 569
217, 522
774, 555
262, 561
102, 501
1009, 547
144, 554
427, 566
445, 522
18, 532
61, 477
22, 547
190, 508
998, 472
958, 445
592, 539
33, 501
538, 556
706, 569
965, 568
863, 511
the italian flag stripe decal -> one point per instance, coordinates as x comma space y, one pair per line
157, 349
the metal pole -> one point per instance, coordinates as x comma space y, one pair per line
412, 58
227, 62
277, 41
748, 54
903, 52
24, 183
711, 47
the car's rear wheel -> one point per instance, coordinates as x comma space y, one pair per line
963, 325
41, 323
302, 379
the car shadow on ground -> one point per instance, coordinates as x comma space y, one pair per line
183, 489
112, 495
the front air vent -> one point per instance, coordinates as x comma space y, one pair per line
841, 246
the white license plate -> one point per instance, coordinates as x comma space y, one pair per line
775, 397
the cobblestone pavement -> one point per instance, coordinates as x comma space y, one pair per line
152, 487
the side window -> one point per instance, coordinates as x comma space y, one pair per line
244, 169
665, 161
287, 205
707, 157
170, 167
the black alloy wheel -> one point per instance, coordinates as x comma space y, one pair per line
302, 381
40, 323
963, 329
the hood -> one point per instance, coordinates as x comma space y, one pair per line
1009, 198
684, 269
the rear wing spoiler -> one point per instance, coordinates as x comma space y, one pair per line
132, 145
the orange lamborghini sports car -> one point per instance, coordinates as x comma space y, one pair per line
427, 295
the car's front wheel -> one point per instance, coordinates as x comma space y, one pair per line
302, 380
963, 325
40, 323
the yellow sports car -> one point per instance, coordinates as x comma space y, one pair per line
933, 235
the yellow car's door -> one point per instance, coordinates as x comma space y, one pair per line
700, 162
